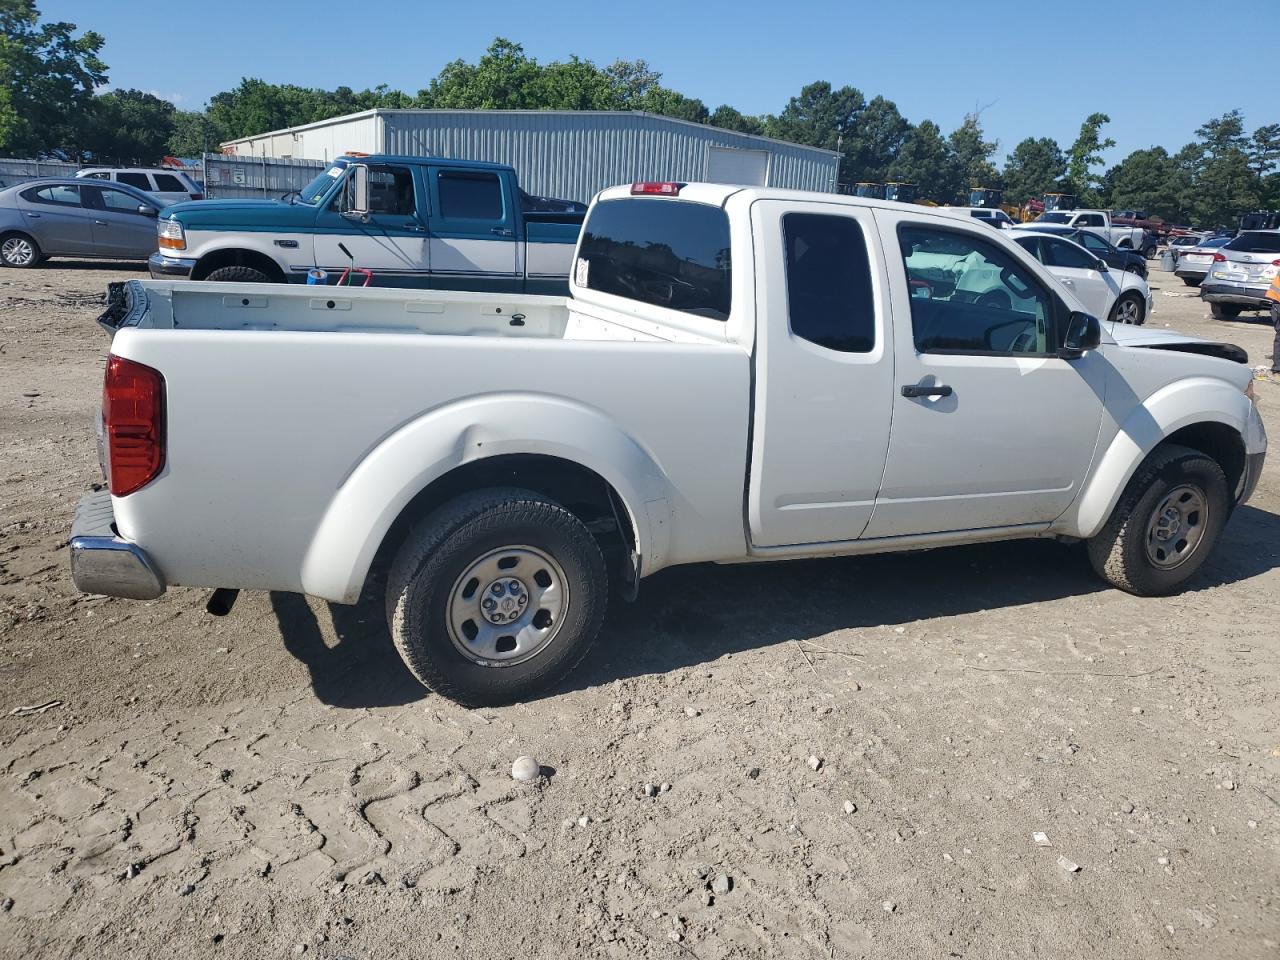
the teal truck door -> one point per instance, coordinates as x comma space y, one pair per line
393, 242
473, 230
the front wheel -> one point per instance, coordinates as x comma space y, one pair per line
1224, 311
1165, 524
495, 596
1191, 281
1129, 308
239, 275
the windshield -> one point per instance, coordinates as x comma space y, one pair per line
1053, 218
317, 188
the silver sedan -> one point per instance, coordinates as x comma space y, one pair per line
72, 218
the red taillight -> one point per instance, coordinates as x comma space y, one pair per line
1275, 263
1219, 258
133, 420
197, 196
657, 188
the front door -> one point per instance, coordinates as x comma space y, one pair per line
392, 242
1079, 272
474, 245
119, 230
990, 427
823, 373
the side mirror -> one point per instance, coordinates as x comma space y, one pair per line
357, 193
1084, 333
1102, 266
146, 211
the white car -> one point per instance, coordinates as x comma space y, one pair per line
738, 374
175, 186
992, 216
1119, 296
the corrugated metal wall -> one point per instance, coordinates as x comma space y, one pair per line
573, 155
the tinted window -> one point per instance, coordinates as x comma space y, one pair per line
470, 196
1062, 253
119, 201
968, 296
829, 282
100, 175
669, 253
1093, 242
61, 195
1090, 220
168, 183
139, 180
1255, 243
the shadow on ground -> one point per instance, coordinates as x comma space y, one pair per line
691, 615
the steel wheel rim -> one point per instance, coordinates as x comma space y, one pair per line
1128, 311
507, 606
18, 252
1176, 526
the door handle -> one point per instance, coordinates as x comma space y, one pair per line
415, 227
920, 390
1068, 282
503, 231
34, 216
100, 223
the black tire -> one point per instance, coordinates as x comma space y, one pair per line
240, 275
1149, 253
439, 551
1133, 300
1191, 281
12, 246
1119, 551
1224, 311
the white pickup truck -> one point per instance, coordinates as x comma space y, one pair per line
1099, 222
737, 375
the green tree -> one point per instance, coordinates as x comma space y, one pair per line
878, 134
129, 126
1085, 154
972, 154
195, 133
821, 116
1153, 181
1036, 167
727, 118
1264, 149
1223, 135
925, 159
49, 75
502, 79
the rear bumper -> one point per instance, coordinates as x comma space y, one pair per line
162, 267
102, 562
1191, 272
1235, 293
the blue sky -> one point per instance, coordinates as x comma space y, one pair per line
1036, 68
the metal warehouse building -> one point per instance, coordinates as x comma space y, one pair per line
570, 154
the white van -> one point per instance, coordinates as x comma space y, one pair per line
172, 185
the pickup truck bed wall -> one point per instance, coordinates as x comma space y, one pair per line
403, 407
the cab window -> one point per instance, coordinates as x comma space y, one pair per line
970, 297
469, 196
829, 298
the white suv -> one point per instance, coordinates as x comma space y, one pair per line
172, 185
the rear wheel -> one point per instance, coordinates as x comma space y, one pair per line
1191, 281
1129, 308
239, 275
1165, 525
495, 596
1224, 311
19, 250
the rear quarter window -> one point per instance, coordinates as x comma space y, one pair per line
668, 253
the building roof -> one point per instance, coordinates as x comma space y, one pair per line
629, 114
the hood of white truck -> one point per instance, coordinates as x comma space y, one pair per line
1131, 336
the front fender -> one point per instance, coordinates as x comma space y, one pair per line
1181, 404
402, 464
263, 244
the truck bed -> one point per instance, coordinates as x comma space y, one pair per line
278, 396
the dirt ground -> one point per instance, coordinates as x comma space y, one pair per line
275, 784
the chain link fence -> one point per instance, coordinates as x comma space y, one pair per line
16, 171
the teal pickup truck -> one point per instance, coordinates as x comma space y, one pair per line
411, 221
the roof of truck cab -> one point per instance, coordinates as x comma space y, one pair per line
404, 158
718, 194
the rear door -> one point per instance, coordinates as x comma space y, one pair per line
1078, 271
119, 230
473, 229
392, 242
57, 220
990, 427
823, 372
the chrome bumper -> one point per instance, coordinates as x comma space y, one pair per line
162, 267
102, 562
